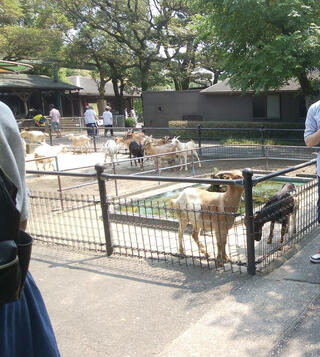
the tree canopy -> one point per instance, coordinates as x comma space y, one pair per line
258, 44
264, 43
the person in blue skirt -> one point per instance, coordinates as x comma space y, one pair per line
25, 327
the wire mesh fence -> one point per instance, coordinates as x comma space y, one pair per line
72, 220
254, 140
283, 220
180, 226
150, 229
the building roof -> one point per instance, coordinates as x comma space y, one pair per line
223, 87
90, 87
31, 81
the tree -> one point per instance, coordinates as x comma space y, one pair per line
138, 26
26, 34
111, 62
10, 12
265, 42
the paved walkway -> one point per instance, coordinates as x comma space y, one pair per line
123, 307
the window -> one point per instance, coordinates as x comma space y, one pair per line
259, 107
266, 107
273, 107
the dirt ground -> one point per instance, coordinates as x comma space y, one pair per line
46, 183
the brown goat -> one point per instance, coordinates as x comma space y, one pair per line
212, 211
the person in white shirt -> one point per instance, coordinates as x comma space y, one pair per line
107, 121
90, 119
312, 138
55, 119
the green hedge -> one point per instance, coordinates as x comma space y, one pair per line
130, 122
238, 135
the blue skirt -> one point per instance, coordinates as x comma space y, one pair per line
25, 327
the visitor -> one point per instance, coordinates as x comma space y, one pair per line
90, 119
55, 119
312, 138
25, 327
107, 121
39, 119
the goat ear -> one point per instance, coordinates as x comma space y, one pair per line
178, 137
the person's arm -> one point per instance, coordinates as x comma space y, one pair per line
311, 133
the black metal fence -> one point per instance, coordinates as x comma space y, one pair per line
148, 227
202, 135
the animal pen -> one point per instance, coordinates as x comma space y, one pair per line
140, 226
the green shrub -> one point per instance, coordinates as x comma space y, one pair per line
130, 122
236, 134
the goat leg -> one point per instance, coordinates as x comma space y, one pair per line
182, 227
197, 156
221, 243
269, 241
284, 228
195, 236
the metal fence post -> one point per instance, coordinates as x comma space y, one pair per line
94, 139
115, 181
105, 208
262, 141
199, 138
251, 259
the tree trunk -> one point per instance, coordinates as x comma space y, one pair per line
119, 100
306, 88
101, 100
144, 75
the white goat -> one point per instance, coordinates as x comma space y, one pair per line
79, 141
45, 151
190, 146
212, 211
111, 149
34, 136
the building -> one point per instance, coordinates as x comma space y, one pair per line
220, 103
23, 92
89, 94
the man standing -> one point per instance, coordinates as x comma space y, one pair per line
107, 120
312, 138
90, 119
55, 119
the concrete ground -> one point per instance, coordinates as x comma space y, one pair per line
124, 307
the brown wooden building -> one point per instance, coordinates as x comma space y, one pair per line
89, 94
23, 92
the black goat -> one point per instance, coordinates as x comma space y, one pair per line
136, 150
278, 209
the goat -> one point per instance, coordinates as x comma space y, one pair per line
209, 211
138, 137
168, 149
136, 150
80, 141
111, 149
161, 141
34, 136
45, 152
190, 146
278, 209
